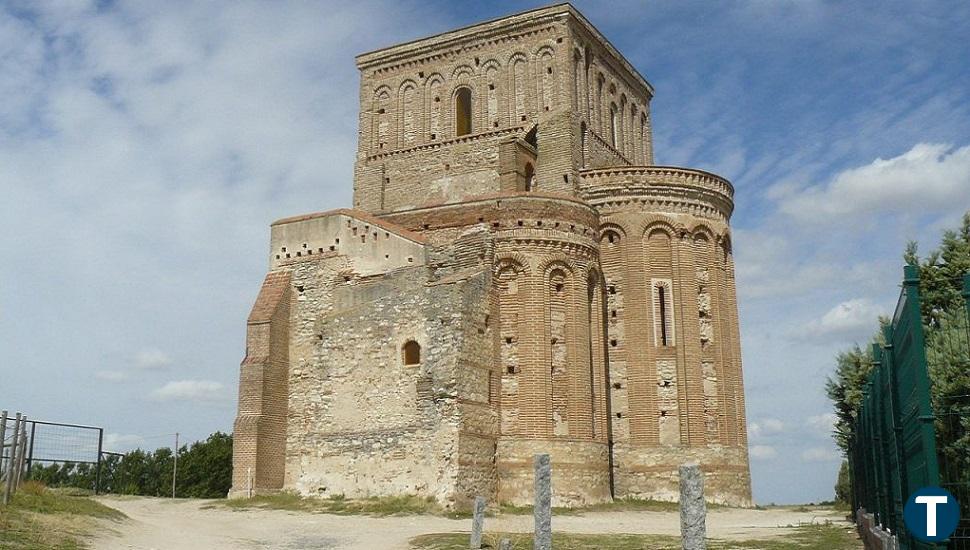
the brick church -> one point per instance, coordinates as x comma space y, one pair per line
515, 276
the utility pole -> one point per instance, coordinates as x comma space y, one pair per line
175, 465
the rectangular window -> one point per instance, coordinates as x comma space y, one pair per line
663, 312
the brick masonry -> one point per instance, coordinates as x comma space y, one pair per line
516, 278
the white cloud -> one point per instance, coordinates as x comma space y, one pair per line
820, 454
849, 320
119, 443
765, 427
929, 177
190, 390
762, 452
111, 375
152, 359
822, 424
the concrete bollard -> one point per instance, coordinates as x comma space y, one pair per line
478, 521
505, 544
693, 511
543, 503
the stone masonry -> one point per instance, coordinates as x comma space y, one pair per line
515, 278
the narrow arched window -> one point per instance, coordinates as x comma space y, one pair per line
463, 111
614, 123
530, 176
412, 353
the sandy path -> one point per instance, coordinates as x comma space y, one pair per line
163, 524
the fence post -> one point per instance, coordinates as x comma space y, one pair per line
97, 475
478, 521
3, 438
23, 454
926, 418
30, 452
693, 510
543, 503
8, 486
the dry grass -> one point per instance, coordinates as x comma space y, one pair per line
43, 519
809, 537
406, 505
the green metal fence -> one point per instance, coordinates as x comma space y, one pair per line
900, 445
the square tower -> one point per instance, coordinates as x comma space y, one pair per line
496, 107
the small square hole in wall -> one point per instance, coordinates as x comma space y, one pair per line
387, 256
433, 136
546, 107
510, 370
410, 259
559, 40
523, 118
480, 220
617, 386
494, 224
612, 289
426, 226
300, 289
287, 254
613, 313
519, 222
277, 256
304, 245
332, 248
549, 70
320, 250
476, 61
508, 339
299, 254
437, 99
420, 74
539, 223
380, 111
491, 86
283, 249
619, 415
495, 124
613, 343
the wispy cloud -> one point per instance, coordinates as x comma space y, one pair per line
762, 452
928, 178
152, 359
851, 320
190, 390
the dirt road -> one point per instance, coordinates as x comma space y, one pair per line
163, 524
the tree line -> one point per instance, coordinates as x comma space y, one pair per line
948, 357
204, 471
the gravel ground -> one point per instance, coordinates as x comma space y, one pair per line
163, 524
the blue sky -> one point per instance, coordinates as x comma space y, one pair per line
146, 147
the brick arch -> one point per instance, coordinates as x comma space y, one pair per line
433, 123
556, 261
646, 224
462, 71
382, 90
613, 226
514, 259
544, 49
490, 63
702, 229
